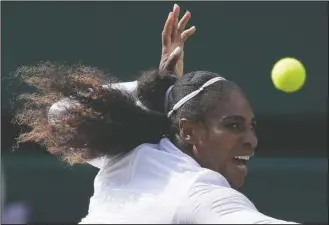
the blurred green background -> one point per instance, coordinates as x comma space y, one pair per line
240, 40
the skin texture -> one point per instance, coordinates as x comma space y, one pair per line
174, 36
227, 132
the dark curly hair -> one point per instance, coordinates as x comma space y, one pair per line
107, 121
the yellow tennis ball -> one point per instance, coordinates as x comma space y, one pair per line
288, 75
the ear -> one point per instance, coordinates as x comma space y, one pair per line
188, 131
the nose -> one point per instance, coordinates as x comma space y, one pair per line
250, 139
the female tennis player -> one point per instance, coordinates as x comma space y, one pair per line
171, 149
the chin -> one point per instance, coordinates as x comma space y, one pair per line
236, 183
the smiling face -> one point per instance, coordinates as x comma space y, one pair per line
226, 140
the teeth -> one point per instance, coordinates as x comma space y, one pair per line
242, 157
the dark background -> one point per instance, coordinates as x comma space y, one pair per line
240, 40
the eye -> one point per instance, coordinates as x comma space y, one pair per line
234, 126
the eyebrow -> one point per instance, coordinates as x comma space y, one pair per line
237, 117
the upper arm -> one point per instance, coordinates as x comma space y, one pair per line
207, 203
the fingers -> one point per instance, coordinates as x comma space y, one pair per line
167, 29
173, 31
176, 11
183, 22
187, 33
173, 59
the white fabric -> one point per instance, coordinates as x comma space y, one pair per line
209, 203
127, 86
160, 184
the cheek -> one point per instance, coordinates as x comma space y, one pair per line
225, 143
225, 140
216, 150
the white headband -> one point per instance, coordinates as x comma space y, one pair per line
191, 95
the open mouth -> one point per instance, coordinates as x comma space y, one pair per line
241, 159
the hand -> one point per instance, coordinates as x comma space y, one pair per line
173, 39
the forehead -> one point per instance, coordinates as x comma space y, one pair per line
233, 103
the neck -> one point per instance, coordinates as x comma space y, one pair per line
184, 147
